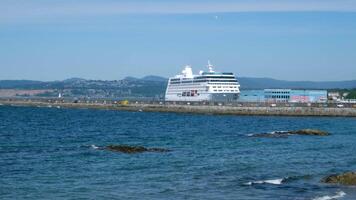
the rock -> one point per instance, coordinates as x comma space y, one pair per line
133, 149
309, 132
348, 178
284, 134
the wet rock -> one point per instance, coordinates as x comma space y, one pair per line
348, 178
133, 149
284, 134
309, 132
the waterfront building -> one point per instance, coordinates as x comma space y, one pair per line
295, 96
284, 96
252, 96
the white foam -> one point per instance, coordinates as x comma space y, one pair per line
271, 181
338, 195
274, 132
269, 133
94, 147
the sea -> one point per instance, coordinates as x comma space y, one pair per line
57, 153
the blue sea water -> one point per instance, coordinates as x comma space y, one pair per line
46, 153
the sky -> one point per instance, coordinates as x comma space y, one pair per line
106, 39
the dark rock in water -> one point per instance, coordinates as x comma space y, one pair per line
284, 134
348, 178
309, 132
133, 149
126, 148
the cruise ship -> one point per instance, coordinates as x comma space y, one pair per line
207, 86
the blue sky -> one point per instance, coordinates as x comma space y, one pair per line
104, 39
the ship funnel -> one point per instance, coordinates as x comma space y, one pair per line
187, 72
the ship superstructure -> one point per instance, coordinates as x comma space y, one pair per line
207, 86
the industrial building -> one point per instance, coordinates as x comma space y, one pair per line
295, 96
284, 95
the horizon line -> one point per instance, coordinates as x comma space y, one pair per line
95, 79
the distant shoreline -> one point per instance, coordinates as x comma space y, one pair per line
193, 109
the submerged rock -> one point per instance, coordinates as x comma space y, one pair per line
133, 149
348, 178
284, 134
309, 132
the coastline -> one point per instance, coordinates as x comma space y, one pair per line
192, 109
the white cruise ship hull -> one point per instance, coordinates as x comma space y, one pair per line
216, 97
207, 86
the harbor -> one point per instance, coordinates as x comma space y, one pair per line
215, 108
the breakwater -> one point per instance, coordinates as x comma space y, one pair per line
218, 109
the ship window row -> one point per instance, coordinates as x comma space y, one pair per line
277, 96
197, 84
218, 77
224, 83
190, 93
199, 81
175, 91
179, 91
204, 81
278, 92
184, 88
224, 86
186, 85
225, 90
218, 73
184, 82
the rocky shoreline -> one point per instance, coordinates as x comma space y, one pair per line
348, 178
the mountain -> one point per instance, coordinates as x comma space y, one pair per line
154, 78
263, 83
130, 78
71, 80
12, 84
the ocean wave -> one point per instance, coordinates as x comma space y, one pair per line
94, 147
338, 195
270, 181
270, 134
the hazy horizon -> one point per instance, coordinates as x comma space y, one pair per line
141, 77
312, 40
